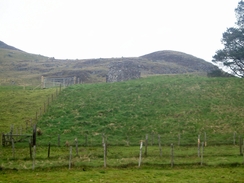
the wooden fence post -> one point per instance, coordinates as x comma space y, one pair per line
40, 111
234, 138
44, 107
58, 140
34, 157
3, 139
70, 156
127, 140
141, 145
202, 154
205, 139
49, 148
198, 145
179, 139
146, 143
34, 136
13, 150
30, 149
86, 143
172, 155
159, 145
152, 140
76, 147
241, 152
105, 151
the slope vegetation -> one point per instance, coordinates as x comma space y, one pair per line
168, 105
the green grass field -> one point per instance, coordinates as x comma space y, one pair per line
169, 106
19, 105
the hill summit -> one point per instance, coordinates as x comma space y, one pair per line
28, 68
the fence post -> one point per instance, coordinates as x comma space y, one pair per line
58, 140
172, 155
40, 111
30, 149
127, 140
105, 151
34, 157
49, 148
198, 145
202, 154
179, 139
3, 139
159, 145
152, 140
86, 143
141, 145
234, 138
44, 107
146, 143
205, 139
70, 156
76, 146
241, 152
13, 150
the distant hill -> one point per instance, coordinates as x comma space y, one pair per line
25, 68
5, 46
187, 61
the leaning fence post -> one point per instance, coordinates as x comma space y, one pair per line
141, 145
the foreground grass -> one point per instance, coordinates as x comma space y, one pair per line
209, 174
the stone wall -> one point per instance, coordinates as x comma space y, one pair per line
123, 71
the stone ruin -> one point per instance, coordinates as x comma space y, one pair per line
123, 71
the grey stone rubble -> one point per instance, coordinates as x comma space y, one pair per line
123, 71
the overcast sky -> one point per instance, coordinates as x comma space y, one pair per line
79, 29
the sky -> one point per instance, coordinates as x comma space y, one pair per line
84, 29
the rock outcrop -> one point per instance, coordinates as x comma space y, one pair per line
123, 71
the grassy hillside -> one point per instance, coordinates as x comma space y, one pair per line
19, 105
166, 105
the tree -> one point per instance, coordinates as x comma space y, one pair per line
232, 55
